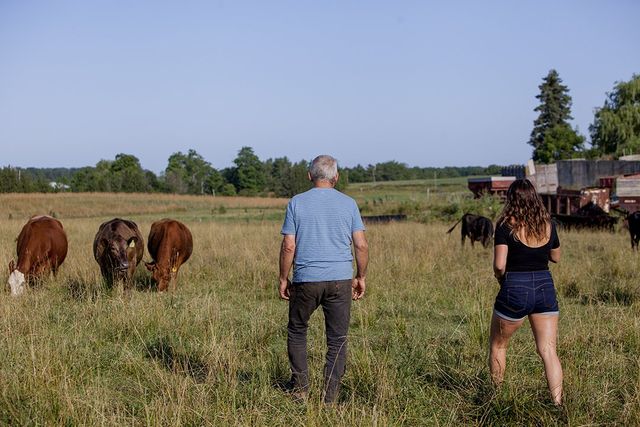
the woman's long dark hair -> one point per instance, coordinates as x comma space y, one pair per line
525, 212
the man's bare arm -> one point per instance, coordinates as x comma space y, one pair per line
287, 252
362, 261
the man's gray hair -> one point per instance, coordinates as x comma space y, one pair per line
324, 168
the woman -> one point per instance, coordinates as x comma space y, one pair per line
525, 241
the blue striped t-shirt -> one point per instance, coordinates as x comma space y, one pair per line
323, 221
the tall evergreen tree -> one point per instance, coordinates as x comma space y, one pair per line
616, 126
554, 114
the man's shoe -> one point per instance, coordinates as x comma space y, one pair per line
297, 393
331, 391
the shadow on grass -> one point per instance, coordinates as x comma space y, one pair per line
281, 377
81, 290
143, 282
175, 361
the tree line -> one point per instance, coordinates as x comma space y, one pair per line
615, 130
190, 173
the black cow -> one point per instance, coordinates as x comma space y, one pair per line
634, 228
477, 228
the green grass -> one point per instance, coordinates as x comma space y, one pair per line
212, 353
443, 199
432, 183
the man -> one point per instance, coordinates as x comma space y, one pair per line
318, 230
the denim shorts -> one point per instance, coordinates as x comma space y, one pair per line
526, 292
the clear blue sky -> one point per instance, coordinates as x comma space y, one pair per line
422, 82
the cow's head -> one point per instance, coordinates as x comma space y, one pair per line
17, 281
120, 254
165, 277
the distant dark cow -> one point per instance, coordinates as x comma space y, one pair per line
600, 222
476, 227
170, 245
118, 248
633, 220
42, 247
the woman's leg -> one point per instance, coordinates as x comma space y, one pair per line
545, 331
501, 331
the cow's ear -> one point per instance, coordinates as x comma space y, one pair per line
150, 265
12, 266
101, 246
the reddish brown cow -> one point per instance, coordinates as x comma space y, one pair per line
42, 247
170, 245
118, 248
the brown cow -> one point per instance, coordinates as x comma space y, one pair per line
118, 248
42, 247
170, 245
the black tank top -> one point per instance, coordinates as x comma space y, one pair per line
521, 257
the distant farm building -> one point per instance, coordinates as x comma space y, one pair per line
628, 192
59, 186
494, 185
569, 185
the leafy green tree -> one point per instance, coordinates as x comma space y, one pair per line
343, 179
191, 173
81, 180
18, 180
155, 185
358, 174
93, 179
101, 177
9, 180
214, 182
248, 174
554, 113
392, 171
228, 190
62, 175
560, 142
616, 126
277, 175
126, 175
297, 179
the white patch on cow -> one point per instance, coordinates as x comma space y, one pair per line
17, 283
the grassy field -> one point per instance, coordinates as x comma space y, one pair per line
212, 353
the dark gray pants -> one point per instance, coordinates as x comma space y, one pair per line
335, 299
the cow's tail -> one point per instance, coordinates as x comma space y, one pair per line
454, 226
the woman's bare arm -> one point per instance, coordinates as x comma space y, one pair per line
500, 261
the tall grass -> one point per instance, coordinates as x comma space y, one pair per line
212, 353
